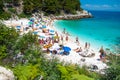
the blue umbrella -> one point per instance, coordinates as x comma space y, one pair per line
66, 49
52, 31
37, 24
31, 19
43, 26
35, 33
18, 27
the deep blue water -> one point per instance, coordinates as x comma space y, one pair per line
101, 30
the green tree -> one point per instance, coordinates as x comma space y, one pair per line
31, 6
113, 72
51, 6
1, 6
8, 37
25, 42
49, 68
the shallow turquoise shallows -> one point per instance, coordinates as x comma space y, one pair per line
101, 30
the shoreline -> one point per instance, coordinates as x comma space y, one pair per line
74, 55
72, 37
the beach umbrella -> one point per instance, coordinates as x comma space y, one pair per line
37, 25
47, 46
52, 32
66, 49
42, 36
32, 19
30, 23
56, 37
18, 27
35, 33
43, 26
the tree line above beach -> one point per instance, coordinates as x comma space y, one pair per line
51, 6
55, 7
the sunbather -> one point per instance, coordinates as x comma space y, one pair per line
78, 49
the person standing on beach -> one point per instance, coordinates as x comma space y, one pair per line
77, 41
86, 45
102, 54
66, 37
62, 39
21, 23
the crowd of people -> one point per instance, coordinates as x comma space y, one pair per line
48, 42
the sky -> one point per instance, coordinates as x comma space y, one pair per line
108, 5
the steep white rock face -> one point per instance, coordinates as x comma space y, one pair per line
6, 74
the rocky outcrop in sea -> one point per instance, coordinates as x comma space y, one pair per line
79, 15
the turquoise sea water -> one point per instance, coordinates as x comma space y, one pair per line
101, 30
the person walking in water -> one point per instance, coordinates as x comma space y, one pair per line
64, 31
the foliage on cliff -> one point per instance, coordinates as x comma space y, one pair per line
48, 7
51, 6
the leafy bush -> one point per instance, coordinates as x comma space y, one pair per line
8, 37
13, 10
80, 77
5, 15
3, 53
26, 72
113, 72
23, 15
